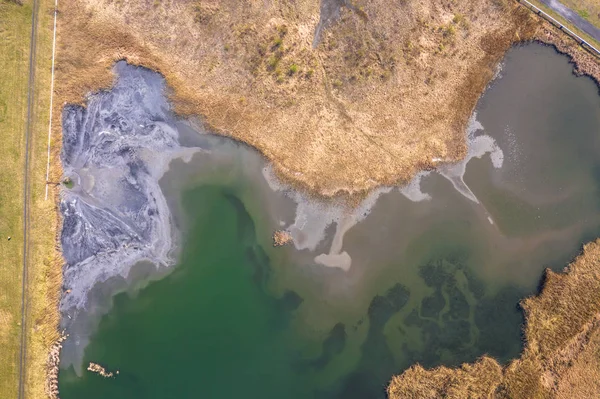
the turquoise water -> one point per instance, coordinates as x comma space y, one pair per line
433, 282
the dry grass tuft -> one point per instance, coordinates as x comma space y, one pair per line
561, 357
386, 90
281, 237
478, 380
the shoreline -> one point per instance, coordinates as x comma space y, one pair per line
356, 197
545, 351
238, 114
583, 65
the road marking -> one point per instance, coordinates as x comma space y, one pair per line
51, 98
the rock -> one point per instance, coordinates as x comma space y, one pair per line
281, 237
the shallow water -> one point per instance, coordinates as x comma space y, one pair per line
433, 281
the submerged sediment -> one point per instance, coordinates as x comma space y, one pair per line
560, 360
114, 215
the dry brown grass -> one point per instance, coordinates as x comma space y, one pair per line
478, 380
562, 353
584, 63
387, 89
44, 266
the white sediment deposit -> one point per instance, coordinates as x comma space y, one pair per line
412, 190
478, 146
114, 151
314, 216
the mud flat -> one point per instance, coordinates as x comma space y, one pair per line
415, 272
114, 214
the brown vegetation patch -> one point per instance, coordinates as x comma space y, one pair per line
281, 237
584, 62
101, 371
478, 380
562, 354
5, 325
385, 91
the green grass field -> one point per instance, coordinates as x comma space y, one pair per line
15, 33
15, 23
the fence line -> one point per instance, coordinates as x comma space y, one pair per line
584, 43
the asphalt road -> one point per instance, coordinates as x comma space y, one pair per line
574, 18
28, 128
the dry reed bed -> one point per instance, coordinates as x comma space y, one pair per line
387, 90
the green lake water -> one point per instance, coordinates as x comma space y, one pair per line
431, 282
207, 330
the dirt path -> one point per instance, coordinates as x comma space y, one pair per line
574, 18
26, 199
